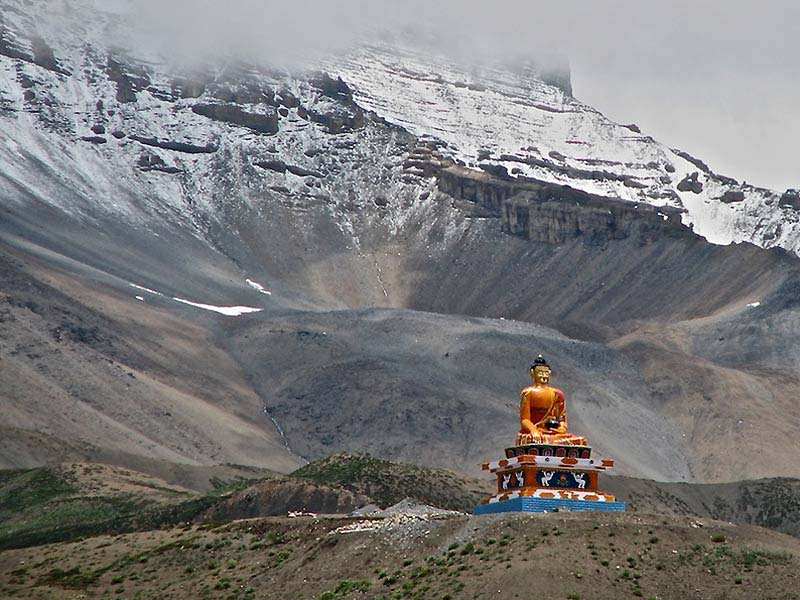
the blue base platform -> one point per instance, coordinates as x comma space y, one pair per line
540, 505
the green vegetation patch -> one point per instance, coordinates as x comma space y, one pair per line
390, 482
75, 578
72, 578
746, 559
21, 490
42, 506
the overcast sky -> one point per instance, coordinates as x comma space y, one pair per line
718, 79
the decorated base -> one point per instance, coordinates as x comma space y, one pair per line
541, 505
549, 450
543, 477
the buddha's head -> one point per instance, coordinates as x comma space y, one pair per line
540, 371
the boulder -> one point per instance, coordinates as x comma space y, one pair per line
333, 88
148, 161
633, 183
691, 183
301, 172
272, 165
228, 113
731, 196
496, 170
152, 162
288, 99
98, 129
175, 146
790, 199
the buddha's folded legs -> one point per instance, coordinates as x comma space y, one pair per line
563, 439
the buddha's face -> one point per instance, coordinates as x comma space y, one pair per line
541, 375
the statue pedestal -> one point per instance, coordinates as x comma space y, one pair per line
544, 477
541, 505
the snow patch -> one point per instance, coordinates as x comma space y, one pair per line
228, 311
754, 304
144, 289
258, 287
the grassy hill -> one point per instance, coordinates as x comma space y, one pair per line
389, 482
67, 502
551, 556
52, 504
772, 503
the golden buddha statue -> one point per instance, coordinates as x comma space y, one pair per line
543, 411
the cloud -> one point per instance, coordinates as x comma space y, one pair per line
719, 79
287, 30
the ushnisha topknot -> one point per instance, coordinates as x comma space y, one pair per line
539, 362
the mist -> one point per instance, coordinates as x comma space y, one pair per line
718, 80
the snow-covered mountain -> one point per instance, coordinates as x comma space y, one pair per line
86, 99
83, 98
511, 118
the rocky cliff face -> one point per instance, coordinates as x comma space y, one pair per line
554, 214
558, 222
